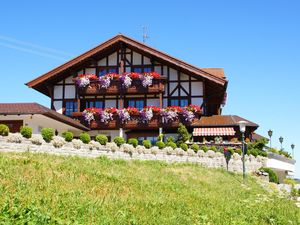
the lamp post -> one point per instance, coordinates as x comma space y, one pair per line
293, 146
242, 125
281, 140
270, 133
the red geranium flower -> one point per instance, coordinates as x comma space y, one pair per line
111, 110
132, 110
155, 109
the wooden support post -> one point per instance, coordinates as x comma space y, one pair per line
160, 100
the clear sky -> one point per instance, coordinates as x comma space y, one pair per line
256, 42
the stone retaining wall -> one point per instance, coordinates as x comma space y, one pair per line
209, 159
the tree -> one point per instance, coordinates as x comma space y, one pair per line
183, 134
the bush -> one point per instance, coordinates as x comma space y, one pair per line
184, 146
102, 139
170, 139
171, 144
253, 152
272, 175
183, 134
231, 150
160, 144
195, 147
119, 141
68, 136
85, 138
47, 134
26, 131
147, 144
160, 137
213, 148
204, 148
133, 141
4, 130
238, 151
263, 153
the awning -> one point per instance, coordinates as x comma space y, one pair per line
214, 131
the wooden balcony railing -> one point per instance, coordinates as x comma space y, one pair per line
158, 86
134, 123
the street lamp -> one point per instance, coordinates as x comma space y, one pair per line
281, 140
242, 125
270, 133
293, 146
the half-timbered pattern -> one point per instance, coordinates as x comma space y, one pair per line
180, 84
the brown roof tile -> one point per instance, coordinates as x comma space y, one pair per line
35, 108
220, 120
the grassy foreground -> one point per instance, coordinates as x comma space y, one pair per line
45, 189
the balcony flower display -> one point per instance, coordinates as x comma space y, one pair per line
83, 80
188, 116
132, 110
146, 80
193, 108
155, 109
124, 115
125, 81
105, 115
168, 116
89, 114
104, 82
146, 115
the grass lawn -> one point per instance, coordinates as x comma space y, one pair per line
46, 189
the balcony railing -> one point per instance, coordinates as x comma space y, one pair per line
133, 123
158, 86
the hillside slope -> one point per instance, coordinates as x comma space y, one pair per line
46, 189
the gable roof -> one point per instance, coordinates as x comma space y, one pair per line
35, 108
206, 73
220, 120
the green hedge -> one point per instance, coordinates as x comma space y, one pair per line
68, 136
102, 139
4, 130
85, 138
47, 134
272, 175
26, 131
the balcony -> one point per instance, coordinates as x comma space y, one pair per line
116, 88
133, 123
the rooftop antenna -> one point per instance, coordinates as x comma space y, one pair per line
145, 34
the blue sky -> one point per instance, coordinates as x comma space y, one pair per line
256, 42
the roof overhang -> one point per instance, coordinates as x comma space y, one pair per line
75, 62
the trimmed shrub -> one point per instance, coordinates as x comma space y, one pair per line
47, 134
171, 144
183, 134
170, 139
102, 139
204, 148
160, 137
4, 130
147, 144
119, 141
263, 153
238, 151
195, 147
160, 144
213, 148
68, 136
133, 141
85, 138
272, 175
26, 131
184, 146
253, 152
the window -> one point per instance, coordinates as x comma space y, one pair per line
137, 103
137, 69
91, 104
142, 69
179, 102
70, 107
147, 69
104, 71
